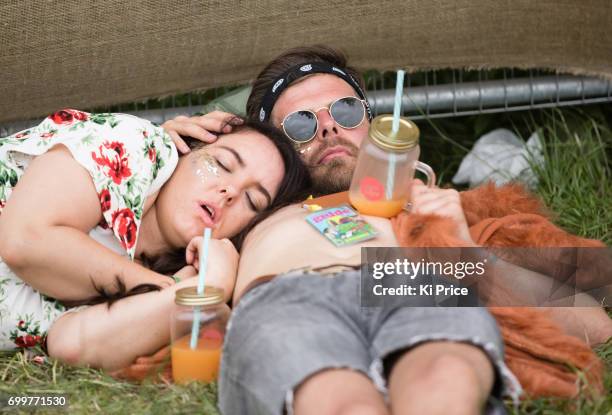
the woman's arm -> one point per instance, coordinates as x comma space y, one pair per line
44, 233
133, 326
113, 337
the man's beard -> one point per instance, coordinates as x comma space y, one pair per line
334, 176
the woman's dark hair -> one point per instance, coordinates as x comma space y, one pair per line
293, 188
288, 59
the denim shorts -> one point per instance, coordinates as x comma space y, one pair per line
300, 323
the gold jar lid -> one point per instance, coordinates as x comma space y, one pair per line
380, 132
189, 296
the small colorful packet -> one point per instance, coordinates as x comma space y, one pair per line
341, 225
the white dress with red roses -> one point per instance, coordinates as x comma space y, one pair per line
128, 159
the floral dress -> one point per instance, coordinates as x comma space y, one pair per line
128, 159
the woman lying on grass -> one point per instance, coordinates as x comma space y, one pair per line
85, 198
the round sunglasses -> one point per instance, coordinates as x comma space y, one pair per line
302, 126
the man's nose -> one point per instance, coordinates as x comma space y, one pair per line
327, 125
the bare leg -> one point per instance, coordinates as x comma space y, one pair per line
441, 378
338, 392
590, 324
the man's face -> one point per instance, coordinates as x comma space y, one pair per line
331, 156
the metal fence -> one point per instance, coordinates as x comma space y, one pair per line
429, 94
484, 92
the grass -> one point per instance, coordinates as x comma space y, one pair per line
92, 391
575, 182
581, 192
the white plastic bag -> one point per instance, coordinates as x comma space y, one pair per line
500, 156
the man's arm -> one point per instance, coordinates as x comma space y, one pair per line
201, 127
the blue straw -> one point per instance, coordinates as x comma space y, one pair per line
195, 327
203, 260
397, 105
397, 109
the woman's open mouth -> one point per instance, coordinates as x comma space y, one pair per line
209, 214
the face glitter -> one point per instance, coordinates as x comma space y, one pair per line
306, 150
205, 165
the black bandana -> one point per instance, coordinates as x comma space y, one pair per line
300, 71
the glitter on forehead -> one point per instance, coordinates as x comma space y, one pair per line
205, 165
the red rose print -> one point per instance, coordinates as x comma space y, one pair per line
103, 224
105, 200
47, 135
145, 134
21, 324
124, 225
27, 341
79, 115
116, 146
119, 170
23, 135
102, 160
62, 117
152, 155
116, 165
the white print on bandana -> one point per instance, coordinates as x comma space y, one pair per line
277, 84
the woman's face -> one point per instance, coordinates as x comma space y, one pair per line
221, 186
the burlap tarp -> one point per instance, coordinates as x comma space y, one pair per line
78, 53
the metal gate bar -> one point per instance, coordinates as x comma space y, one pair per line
423, 96
468, 98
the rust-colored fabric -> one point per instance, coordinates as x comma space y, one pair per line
157, 367
543, 358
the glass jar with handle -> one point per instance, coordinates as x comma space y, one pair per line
383, 176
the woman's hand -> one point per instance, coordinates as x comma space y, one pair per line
442, 202
222, 262
188, 271
202, 127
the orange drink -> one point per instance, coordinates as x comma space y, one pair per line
201, 363
383, 208
204, 316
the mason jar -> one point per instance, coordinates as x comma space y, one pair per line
197, 330
382, 180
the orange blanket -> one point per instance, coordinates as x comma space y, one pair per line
544, 359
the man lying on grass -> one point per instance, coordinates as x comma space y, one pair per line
301, 335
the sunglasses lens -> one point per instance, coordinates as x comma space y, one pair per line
300, 126
348, 112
